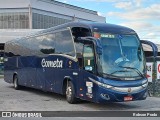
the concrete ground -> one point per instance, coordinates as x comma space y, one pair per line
29, 99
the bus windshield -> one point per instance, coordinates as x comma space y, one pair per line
122, 56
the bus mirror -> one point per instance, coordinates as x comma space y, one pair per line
80, 62
99, 50
99, 47
82, 39
91, 40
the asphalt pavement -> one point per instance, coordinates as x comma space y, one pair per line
29, 99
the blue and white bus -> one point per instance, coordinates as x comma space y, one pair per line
96, 62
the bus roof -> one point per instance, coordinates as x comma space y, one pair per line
105, 27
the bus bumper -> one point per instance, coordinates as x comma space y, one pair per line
108, 95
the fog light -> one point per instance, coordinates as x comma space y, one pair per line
105, 96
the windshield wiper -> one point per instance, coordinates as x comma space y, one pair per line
135, 69
118, 71
114, 76
109, 75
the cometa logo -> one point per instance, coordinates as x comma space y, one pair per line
54, 64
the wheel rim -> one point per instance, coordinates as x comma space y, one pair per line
69, 92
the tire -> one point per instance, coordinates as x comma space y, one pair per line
70, 93
150, 89
15, 82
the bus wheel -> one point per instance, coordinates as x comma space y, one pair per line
15, 82
70, 93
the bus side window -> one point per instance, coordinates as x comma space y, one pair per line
88, 58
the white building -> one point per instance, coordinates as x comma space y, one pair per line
38, 14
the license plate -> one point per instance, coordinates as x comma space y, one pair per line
128, 98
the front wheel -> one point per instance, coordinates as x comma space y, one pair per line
15, 82
70, 93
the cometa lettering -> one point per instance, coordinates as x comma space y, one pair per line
55, 64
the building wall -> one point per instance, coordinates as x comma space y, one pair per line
43, 21
67, 10
11, 10
14, 3
40, 20
38, 14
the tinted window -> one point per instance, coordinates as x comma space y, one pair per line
64, 43
52, 43
47, 44
18, 48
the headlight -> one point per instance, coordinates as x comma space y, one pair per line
145, 85
100, 84
120, 89
106, 86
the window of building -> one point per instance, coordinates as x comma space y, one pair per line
17, 20
40, 21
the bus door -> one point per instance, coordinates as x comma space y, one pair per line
86, 87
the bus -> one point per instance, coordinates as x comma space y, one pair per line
97, 62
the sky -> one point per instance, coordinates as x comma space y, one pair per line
141, 15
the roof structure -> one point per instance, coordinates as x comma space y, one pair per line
148, 48
50, 6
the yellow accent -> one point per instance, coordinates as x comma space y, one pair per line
70, 63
